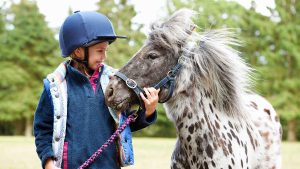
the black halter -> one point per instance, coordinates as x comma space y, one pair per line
168, 82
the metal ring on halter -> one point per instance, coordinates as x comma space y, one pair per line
170, 73
131, 83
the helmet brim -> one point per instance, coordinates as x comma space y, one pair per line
109, 39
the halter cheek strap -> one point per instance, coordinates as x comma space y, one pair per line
85, 60
167, 82
130, 83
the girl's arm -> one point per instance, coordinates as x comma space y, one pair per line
148, 117
43, 128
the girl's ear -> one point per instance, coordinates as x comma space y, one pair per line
79, 52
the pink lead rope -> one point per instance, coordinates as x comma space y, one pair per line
89, 161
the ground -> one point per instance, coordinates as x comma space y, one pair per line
19, 153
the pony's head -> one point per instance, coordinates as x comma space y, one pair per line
208, 64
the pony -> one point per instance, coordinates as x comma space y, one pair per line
220, 121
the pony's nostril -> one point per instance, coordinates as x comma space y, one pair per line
110, 92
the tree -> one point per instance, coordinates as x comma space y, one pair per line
28, 56
121, 13
283, 64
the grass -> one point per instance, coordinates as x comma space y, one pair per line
19, 153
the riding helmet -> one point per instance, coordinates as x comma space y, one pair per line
84, 29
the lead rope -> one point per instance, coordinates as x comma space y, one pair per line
131, 118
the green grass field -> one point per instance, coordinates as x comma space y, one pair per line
150, 153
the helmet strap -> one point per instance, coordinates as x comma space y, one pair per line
86, 57
85, 60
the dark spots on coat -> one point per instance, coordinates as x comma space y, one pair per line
201, 103
207, 94
200, 150
232, 161
198, 125
207, 120
254, 105
199, 140
194, 159
242, 163
185, 93
202, 121
267, 111
229, 135
209, 151
230, 124
232, 133
214, 103
185, 111
229, 167
205, 165
213, 163
190, 115
217, 117
217, 125
215, 145
210, 107
230, 148
223, 136
180, 125
191, 128
188, 138
246, 149
251, 138
205, 136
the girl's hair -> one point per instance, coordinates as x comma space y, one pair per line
79, 65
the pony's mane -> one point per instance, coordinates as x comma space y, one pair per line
217, 67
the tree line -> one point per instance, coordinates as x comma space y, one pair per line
29, 51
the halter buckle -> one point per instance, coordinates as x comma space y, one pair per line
131, 83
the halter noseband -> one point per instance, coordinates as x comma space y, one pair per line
168, 82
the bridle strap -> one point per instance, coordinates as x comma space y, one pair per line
130, 83
168, 80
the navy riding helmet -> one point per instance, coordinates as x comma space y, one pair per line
84, 29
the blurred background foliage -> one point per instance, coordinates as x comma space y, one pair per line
29, 51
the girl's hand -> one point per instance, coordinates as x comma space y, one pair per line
151, 100
50, 164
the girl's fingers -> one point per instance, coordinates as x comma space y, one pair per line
146, 101
147, 93
152, 91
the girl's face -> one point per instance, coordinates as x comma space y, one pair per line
97, 54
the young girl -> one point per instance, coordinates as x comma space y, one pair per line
71, 120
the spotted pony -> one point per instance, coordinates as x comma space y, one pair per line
220, 122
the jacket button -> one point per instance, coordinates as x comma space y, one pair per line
57, 139
58, 116
55, 89
56, 95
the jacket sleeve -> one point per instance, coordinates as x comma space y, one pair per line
142, 122
43, 128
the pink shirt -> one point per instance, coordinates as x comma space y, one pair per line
94, 79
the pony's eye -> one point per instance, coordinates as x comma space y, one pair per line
152, 56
